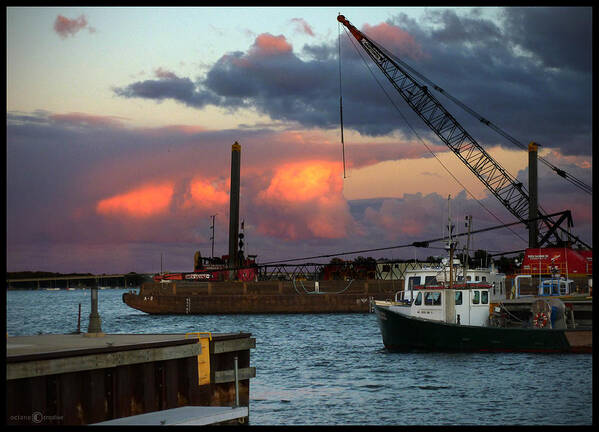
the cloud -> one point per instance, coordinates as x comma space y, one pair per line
66, 27
302, 26
269, 45
304, 200
83, 119
395, 39
205, 193
142, 202
533, 87
152, 190
163, 73
530, 28
168, 86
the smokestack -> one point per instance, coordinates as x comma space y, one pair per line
533, 206
234, 203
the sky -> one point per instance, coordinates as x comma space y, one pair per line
120, 123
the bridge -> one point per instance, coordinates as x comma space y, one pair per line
82, 281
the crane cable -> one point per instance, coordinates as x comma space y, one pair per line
341, 100
470, 111
420, 244
427, 147
569, 177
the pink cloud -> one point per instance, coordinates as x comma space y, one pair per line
393, 37
143, 202
304, 200
163, 73
267, 44
206, 194
302, 26
69, 27
410, 216
82, 119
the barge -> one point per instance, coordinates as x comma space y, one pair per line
261, 297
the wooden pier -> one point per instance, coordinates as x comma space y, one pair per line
78, 379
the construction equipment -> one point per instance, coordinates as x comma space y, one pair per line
508, 190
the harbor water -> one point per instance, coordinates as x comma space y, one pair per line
332, 369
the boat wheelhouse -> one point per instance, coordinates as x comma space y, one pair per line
463, 318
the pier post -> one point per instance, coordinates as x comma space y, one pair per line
95, 323
234, 207
236, 369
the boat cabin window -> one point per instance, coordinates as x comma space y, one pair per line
484, 279
477, 278
458, 298
418, 300
429, 280
413, 281
476, 297
546, 289
468, 278
484, 297
432, 298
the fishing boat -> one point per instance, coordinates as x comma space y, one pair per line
463, 318
431, 275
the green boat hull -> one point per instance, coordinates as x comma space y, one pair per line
406, 333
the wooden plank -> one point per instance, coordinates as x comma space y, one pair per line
229, 375
234, 345
148, 386
186, 415
36, 389
70, 399
94, 397
98, 361
122, 394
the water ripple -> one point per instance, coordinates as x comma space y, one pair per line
331, 369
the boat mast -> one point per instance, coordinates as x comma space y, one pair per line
450, 229
466, 255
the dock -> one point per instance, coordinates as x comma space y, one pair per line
79, 379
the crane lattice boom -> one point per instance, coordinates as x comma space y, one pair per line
510, 192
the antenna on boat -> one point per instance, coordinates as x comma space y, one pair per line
450, 242
466, 255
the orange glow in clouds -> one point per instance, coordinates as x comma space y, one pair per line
309, 198
205, 194
269, 44
305, 181
142, 202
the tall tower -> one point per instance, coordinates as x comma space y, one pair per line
533, 201
234, 203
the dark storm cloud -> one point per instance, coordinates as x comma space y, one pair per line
528, 72
168, 87
571, 49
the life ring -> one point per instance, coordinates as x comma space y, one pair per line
540, 320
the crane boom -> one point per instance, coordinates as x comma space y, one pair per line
510, 192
